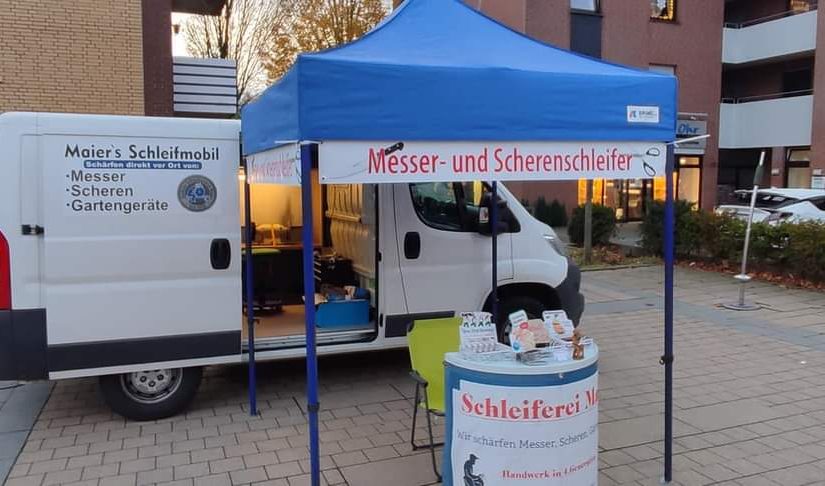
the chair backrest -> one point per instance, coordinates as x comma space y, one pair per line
429, 340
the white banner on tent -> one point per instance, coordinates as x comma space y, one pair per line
281, 165
343, 162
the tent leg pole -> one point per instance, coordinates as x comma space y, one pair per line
667, 358
494, 235
309, 309
250, 294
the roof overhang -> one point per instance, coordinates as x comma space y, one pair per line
199, 7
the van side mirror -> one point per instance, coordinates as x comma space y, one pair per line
507, 222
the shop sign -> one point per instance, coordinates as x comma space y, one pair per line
525, 435
686, 128
135, 177
281, 165
818, 182
346, 162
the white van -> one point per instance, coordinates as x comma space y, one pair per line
121, 257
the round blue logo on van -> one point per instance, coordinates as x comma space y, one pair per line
197, 193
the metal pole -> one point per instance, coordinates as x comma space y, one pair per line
309, 313
667, 358
743, 278
494, 234
588, 223
250, 293
744, 271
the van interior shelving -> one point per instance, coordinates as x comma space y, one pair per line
345, 258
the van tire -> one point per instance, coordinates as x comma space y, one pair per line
532, 306
125, 399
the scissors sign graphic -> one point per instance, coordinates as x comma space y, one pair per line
651, 152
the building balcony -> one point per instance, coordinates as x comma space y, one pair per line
781, 120
205, 87
783, 35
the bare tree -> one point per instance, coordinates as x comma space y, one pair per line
241, 33
314, 25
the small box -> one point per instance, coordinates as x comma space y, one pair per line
343, 313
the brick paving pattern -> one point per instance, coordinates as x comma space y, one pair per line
749, 409
19, 406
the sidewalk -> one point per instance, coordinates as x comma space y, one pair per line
19, 407
749, 404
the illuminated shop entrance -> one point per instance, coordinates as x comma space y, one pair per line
630, 198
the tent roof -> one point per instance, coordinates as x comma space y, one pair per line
440, 70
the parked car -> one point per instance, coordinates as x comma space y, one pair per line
779, 205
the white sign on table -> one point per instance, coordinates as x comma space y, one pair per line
345, 162
526, 435
477, 333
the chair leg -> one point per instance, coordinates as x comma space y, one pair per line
416, 406
430, 430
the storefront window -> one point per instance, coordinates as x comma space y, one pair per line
629, 198
598, 191
659, 186
799, 177
689, 179
635, 198
798, 168
663, 9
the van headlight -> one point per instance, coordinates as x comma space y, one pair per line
556, 243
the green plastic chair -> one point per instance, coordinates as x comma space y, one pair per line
429, 340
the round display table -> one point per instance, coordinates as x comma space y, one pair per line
508, 422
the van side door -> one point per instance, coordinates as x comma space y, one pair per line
444, 266
142, 261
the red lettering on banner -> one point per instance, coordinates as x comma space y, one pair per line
592, 397
505, 160
392, 164
380, 163
376, 161
546, 162
514, 413
527, 410
466, 403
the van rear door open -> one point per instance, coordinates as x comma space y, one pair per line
142, 244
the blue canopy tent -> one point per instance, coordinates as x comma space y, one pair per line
438, 75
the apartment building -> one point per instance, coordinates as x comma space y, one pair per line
107, 57
746, 76
769, 78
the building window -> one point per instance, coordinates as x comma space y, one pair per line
689, 180
801, 5
663, 69
585, 5
663, 9
798, 168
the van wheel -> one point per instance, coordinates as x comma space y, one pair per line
151, 394
533, 307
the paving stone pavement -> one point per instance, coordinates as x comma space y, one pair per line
749, 405
19, 405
